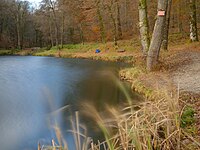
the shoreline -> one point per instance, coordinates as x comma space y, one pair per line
135, 74
153, 86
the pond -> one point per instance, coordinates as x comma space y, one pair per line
37, 92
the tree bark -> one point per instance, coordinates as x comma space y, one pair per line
143, 25
119, 27
18, 25
62, 30
50, 31
193, 21
180, 11
166, 27
114, 27
62, 22
56, 31
101, 23
18, 32
114, 30
153, 53
126, 22
81, 33
55, 23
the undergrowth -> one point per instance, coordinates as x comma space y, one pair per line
159, 124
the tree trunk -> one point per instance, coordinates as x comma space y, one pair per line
71, 34
19, 16
55, 23
36, 37
62, 30
143, 25
193, 21
101, 24
153, 53
179, 11
18, 33
1, 28
18, 20
125, 11
57, 37
81, 33
119, 27
56, 31
166, 27
114, 30
114, 27
50, 31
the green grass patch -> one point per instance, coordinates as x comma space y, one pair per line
78, 48
128, 45
187, 118
6, 52
46, 53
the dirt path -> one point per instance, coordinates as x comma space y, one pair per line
184, 72
187, 75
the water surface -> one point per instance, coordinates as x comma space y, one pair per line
33, 89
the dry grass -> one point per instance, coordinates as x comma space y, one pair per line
151, 125
155, 125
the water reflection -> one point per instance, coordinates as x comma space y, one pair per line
35, 93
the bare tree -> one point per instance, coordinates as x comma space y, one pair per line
58, 22
51, 7
20, 11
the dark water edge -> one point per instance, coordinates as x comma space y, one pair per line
38, 92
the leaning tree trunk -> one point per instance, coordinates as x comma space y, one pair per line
143, 25
156, 41
166, 27
193, 21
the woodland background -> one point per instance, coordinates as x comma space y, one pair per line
78, 21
